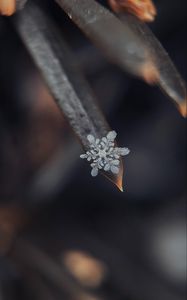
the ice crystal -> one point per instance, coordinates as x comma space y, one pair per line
103, 154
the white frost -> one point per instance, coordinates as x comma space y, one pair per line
103, 154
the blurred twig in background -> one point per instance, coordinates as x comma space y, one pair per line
132, 46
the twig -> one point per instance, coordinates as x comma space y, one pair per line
59, 69
169, 79
131, 45
117, 40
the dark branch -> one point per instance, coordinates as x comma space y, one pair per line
66, 83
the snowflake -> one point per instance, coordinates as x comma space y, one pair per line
103, 154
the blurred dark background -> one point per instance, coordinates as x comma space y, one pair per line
63, 234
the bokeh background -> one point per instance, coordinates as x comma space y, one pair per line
63, 234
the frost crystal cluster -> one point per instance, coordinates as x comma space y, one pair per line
103, 155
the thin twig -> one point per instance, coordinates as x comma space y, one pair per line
66, 83
117, 40
169, 79
129, 43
